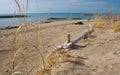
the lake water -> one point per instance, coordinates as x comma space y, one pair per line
37, 17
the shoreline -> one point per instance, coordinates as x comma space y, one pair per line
34, 17
49, 20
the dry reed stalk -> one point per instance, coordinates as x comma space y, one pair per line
27, 2
25, 58
20, 11
35, 45
13, 60
20, 51
18, 4
14, 16
16, 34
39, 41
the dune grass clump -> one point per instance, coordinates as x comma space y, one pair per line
108, 21
115, 24
115, 27
99, 21
56, 58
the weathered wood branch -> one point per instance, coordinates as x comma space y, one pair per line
84, 35
68, 38
69, 44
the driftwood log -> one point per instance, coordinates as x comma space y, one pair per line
70, 44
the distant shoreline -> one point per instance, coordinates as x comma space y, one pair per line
12, 16
53, 18
42, 22
11, 19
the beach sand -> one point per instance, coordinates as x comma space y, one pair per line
101, 54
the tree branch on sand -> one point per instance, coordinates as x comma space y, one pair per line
71, 44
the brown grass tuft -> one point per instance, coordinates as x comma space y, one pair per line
99, 21
115, 28
56, 58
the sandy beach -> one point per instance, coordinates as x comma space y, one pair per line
98, 57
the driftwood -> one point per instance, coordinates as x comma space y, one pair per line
70, 44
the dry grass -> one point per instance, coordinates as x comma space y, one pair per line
99, 21
115, 28
56, 58
107, 22
24, 41
14, 65
14, 42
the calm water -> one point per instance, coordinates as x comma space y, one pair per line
35, 17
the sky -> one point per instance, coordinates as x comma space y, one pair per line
65, 6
